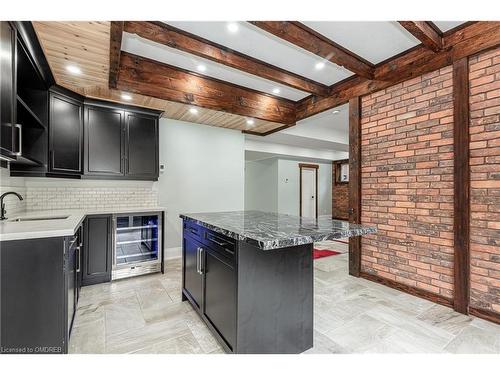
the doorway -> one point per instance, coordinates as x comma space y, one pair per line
308, 190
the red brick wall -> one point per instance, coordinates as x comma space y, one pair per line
340, 197
407, 182
484, 77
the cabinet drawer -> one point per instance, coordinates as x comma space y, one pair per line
193, 230
220, 243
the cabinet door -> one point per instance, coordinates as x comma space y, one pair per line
219, 302
192, 279
66, 133
7, 89
142, 146
97, 254
104, 141
71, 264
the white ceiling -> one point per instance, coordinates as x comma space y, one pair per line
139, 46
254, 42
374, 41
447, 25
327, 125
324, 131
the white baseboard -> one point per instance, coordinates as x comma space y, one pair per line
173, 252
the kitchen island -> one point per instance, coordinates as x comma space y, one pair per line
249, 275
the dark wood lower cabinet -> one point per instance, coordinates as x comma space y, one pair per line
97, 249
38, 294
253, 301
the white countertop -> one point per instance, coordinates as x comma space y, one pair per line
21, 230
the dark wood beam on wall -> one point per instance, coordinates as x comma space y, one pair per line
424, 32
461, 185
151, 78
172, 37
355, 183
305, 38
467, 41
115, 46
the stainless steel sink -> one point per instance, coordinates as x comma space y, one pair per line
39, 218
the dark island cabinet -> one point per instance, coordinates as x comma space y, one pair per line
97, 249
65, 134
219, 298
252, 300
191, 272
209, 282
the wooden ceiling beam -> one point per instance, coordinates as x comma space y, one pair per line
425, 33
115, 45
470, 40
172, 37
152, 78
305, 38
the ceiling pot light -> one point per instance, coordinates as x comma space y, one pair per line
250, 121
232, 27
201, 68
126, 97
193, 111
73, 69
319, 65
276, 90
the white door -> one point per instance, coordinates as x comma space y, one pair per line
308, 192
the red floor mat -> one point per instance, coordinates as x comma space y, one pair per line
324, 253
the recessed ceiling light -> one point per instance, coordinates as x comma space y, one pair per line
319, 65
201, 68
232, 27
126, 97
193, 110
250, 121
73, 69
335, 111
276, 90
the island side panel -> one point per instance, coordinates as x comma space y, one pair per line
275, 299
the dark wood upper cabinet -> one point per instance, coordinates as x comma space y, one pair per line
104, 141
7, 89
120, 142
65, 134
142, 146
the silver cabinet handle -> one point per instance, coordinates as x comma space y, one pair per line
78, 259
20, 127
201, 261
198, 259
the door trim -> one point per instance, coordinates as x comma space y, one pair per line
310, 166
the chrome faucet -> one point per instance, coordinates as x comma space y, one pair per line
2, 217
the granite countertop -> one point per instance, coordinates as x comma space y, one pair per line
21, 230
269, 231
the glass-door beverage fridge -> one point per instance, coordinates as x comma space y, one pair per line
137, 244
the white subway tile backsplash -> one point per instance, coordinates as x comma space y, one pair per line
47, 198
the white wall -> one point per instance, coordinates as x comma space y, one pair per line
289, 187
261, 185
273, 185
204, 171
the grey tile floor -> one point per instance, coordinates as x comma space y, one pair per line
146, 315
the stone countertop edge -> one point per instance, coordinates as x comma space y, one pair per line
284, 242
11, 231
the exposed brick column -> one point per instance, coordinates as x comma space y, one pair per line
407, 183
484, 82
